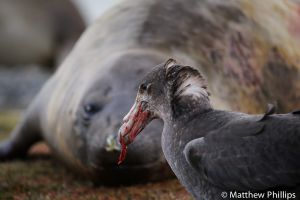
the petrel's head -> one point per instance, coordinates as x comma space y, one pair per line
168, 91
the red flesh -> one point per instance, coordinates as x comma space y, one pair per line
123, 151
139, 118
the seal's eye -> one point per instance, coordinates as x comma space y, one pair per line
92, 109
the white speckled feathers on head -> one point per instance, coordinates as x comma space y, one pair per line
187, 81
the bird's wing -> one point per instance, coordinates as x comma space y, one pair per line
242, 155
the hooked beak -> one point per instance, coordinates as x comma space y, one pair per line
133, 123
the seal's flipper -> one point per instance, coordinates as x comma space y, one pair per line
26, 133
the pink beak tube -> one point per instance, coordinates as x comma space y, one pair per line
133, 123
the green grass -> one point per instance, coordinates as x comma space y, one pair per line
43, 178
8, 120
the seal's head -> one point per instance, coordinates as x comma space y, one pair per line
103, 104
166, 92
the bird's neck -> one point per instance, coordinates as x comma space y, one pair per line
176, 135
179, 130
174, 140
177, 114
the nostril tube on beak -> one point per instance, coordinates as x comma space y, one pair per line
126, 118
112, 143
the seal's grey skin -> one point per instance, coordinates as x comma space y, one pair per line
79, 110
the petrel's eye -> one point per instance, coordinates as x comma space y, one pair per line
146, 88
92, 109
143, 87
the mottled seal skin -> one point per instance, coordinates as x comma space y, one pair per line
38, 31
81, 107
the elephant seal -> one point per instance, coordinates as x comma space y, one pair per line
79, 110
38, 31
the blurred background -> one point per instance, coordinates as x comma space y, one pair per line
35, 37
91, 9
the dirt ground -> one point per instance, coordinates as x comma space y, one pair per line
41, 177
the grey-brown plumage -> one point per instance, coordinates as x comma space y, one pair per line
248, 153
211, 151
